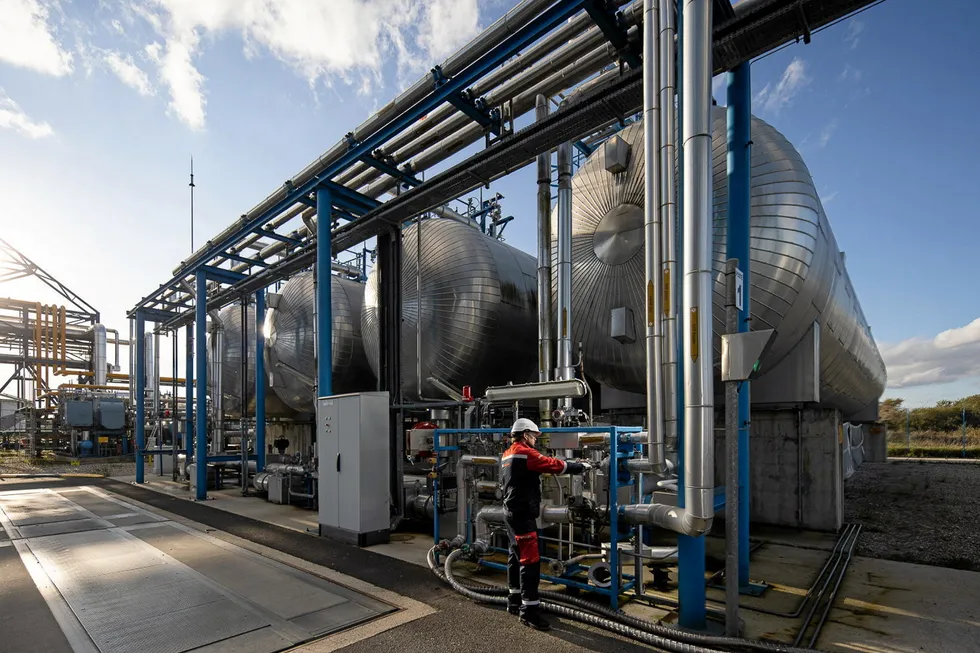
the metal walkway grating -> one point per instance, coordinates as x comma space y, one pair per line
163, 587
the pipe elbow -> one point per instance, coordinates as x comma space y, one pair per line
695, 526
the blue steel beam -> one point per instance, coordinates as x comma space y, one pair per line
341, 196
140, 393
260, 380
529, 33
189, 396
738, 246
474, 108
201, 317
324, 317
583, 148
613, 32
158, 316
273, 235
221, 275
246, 260
391, 170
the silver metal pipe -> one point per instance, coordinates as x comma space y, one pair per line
217, 387
463, 493
557, 514
284, 468
458, 133
132, 359
116, 344
488, 515
565, 371
698, 350
668, 217
99, 363
509, 23
653, 257
545, 315
550, 44
574, 388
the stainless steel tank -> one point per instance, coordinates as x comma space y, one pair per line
290, 341
231, 365
477, 316
798, 272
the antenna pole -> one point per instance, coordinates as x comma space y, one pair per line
192, 204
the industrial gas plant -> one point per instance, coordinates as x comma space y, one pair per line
360, 343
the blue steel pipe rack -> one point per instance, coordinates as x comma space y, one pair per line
623, 451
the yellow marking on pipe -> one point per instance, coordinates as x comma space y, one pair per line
666, 277
651, 313
695, 343
564, 323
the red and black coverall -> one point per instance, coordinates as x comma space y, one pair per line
522, 469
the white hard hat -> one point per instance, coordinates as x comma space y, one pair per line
524, 424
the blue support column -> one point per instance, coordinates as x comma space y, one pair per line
260, 380
324, 317
189, 396
738, 246
690, 550
201, 318
140, 394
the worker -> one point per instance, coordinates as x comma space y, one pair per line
522, 468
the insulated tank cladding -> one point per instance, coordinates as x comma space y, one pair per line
231, 366
797, 276
477, 315
290, 341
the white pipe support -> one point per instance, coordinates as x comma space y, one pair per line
574, 388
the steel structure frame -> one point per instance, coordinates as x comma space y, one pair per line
741, 33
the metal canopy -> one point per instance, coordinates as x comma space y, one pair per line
742, 32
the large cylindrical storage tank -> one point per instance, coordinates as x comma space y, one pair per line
477, 315
798, 274
231, 377
290, 341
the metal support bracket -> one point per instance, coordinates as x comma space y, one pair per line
380, 161
611, 25
475, 108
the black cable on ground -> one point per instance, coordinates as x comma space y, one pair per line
497, 594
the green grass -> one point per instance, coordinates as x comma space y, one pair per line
934, 444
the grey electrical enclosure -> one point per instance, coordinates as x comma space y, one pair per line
353, 447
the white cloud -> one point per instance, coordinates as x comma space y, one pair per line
827, 133
853, 34
321, 40
794, 78
116, 25
13, 117
28, 40
951, 355
850, 73
128, 72
829, 197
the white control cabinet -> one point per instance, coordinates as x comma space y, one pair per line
353, 448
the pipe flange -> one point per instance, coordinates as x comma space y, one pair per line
557, 568
600, 575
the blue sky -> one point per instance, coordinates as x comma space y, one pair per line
103, 102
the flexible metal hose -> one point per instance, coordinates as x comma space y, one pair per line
497, 594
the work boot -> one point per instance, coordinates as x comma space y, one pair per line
532, 617
514, 604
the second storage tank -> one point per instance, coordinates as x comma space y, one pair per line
477, 316
290, 341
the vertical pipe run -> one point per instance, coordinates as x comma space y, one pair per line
217, 385
545, 308
99, 361
201, 317
653, 258
324, 345
189, 396
140, 397
738, 247
668, 217
565, 371
259, 380
698, 457
732, 475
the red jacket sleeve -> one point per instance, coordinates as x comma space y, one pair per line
536, 462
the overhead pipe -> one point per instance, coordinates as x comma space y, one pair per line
499, 31
653, 257
572, 388
545, 309
668, 217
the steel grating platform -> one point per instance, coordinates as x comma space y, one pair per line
120, 579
